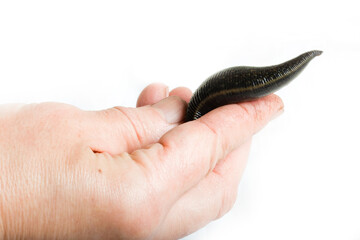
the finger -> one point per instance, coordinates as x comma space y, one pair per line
190, 151
182, 92
152, 93
122, 129
209, 200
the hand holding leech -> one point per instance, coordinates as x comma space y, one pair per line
128, 173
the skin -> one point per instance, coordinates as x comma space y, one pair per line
123, 173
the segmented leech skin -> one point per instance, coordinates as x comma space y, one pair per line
239, 84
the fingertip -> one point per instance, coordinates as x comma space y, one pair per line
245, 118
182, 92
276, 100
152, 94
172, 109
272, 105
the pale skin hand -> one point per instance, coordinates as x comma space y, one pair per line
122, 173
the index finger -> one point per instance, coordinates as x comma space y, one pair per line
187, 153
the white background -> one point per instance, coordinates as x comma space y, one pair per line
303, 177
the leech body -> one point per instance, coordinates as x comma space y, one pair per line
239, 84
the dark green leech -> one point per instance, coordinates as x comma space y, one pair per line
239, 84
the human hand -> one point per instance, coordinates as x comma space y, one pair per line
122, 173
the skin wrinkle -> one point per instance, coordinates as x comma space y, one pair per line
216, 146
222, 185
242, 115
215, 170
167, 151
143, 162
232, 192
255, 113
219, 180
152, 112
248, 113
145, 133
229, 197
245, 109
163, 156
225, 206
135, 129
153, 170
221, 211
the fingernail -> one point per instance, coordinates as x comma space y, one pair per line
278, 113
172, 108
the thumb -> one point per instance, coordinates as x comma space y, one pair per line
122, 129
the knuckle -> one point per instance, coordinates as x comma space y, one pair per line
131, 121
